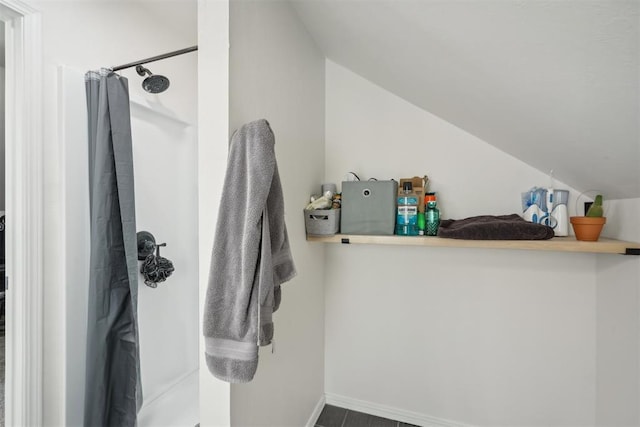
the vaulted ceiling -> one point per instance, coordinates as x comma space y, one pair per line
553, 83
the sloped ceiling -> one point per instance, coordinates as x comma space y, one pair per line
553, 83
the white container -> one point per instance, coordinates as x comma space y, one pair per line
550, 209
533, 214
560, 213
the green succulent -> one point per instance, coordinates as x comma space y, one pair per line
595, 210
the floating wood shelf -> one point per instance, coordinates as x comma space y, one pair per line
558, 244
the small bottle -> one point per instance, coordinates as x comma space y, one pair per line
421, 223
432, 215
407, 218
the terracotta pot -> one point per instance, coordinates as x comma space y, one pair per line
587, 228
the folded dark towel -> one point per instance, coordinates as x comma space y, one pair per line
489, 227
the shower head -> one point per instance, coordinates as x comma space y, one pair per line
155, 83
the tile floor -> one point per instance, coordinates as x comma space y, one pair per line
333, 416
2, 378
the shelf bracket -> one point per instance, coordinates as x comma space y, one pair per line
632, 251
345, 241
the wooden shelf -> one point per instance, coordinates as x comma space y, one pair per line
558, 244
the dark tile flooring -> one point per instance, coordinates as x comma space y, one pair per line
333, 416
2, 377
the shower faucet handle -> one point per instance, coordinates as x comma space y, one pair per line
146, 244
158, 246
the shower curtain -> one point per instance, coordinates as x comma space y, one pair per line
113, 390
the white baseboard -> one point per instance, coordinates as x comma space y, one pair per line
316, 412
389, 412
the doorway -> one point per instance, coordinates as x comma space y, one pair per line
24, 209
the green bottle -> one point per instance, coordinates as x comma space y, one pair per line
422, 223
432, 215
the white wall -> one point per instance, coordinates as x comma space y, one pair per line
622, 219
277, 73
618, 327
480, 337
159, 145
377, 134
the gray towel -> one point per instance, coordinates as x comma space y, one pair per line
251, 257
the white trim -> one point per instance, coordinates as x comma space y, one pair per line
73, 228
213, 135
316, 412
15, 9
25, 214
389, 412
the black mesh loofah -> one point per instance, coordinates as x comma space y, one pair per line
156, 269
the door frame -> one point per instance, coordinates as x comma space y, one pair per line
25, 214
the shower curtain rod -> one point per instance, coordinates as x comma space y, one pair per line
156, 58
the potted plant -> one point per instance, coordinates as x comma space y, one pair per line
588, 227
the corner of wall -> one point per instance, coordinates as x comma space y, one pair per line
277, 73
618, 321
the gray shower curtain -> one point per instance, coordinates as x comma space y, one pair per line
113, 391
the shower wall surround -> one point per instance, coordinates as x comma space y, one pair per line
165, 167
164, 151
